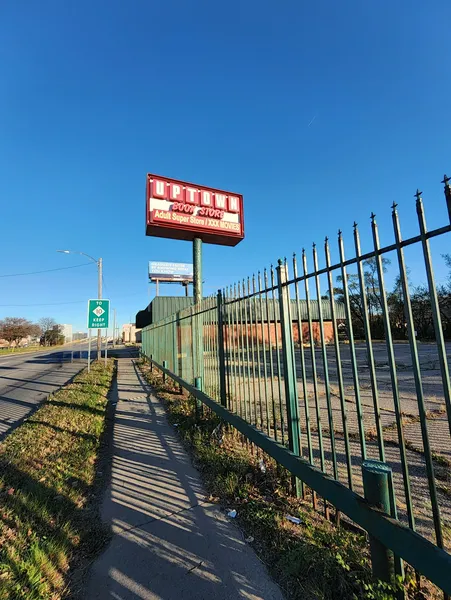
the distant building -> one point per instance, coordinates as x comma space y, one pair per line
264, 311
130, 334
66, 330
79, 335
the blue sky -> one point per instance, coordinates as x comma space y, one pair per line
318, 113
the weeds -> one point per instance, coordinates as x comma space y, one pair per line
310, 560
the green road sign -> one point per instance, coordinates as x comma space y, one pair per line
98, 314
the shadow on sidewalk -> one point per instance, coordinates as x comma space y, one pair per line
169, 541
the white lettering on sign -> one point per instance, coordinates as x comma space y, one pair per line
234, 204
176, 192
205, 198
159, 188
220, 201
192, 195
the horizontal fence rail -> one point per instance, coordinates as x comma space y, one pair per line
324, 368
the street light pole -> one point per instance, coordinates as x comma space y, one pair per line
99, 263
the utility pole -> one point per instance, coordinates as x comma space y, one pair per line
114, 327
99, 332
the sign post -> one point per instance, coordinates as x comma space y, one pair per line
197, 262
98, 318
89, 350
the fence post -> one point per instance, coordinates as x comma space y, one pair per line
175, 351
165, 366
289, 368
198, 386
221, 352
376, 486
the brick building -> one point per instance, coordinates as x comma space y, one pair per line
255, 315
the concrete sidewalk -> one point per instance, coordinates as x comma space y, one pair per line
169, 542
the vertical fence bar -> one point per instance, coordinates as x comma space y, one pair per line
276, 311
313, 359
436, 318
251, 332
208, 339
291, 394
217, 361
447, 191
355, 373
325, 364
234, 358
228, 349
265, 362
239, 336
198, 406
271, 358
193, 345
246, 329
257, 344
417, 377
393, 375
369, 346
221, 350
344, 414
210, 331
303, 367
175, 345
165, 366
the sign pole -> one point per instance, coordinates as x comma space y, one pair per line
197, 262
89, 350
198, 319
158, 288
106, 346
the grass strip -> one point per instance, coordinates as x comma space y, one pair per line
310, 560
49, 520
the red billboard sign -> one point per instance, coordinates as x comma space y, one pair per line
183, 211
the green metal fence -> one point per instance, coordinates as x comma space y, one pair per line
269, 354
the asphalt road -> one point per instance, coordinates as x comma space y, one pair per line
27, 379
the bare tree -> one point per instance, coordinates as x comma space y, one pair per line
47, 323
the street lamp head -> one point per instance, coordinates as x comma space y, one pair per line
64, 251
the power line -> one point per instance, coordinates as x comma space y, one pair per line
47, 304
71, 302
46, 271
